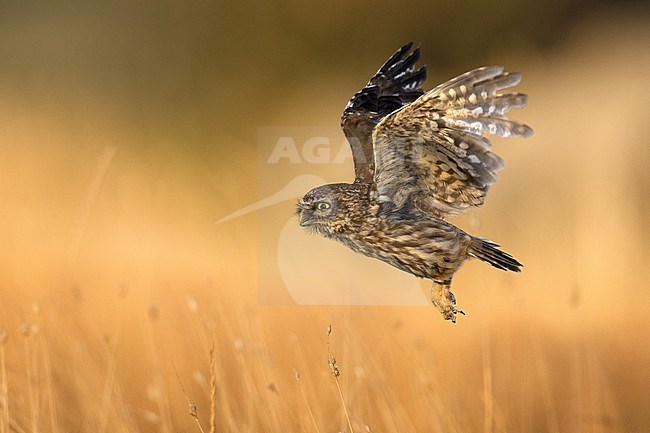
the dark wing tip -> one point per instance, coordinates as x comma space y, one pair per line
399, 67
397, 83
396, 57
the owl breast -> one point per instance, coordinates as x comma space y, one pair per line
426, 248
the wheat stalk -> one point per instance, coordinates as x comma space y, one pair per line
193, 410
4, 385
335, 372
213, 392
304, 398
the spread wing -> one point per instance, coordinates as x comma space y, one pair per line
396, 84
432, 154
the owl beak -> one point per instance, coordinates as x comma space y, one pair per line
302, 205
304, 214
304, 220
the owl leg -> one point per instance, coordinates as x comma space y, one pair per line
444, 300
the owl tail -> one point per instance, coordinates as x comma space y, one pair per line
489, 252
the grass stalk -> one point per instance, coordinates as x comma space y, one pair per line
488, 395
304, 399
47, 370
334, 370
543, 375
193, 410
213, 392
4, 383
31, 363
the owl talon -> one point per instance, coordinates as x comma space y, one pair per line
445, 301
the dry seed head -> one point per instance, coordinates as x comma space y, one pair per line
193, 410
334, 368
329, 329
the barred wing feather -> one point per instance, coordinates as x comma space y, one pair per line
397, 83
432, 154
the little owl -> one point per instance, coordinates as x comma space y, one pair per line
418, 158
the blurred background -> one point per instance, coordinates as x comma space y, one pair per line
128, 128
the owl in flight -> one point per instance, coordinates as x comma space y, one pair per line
418, 158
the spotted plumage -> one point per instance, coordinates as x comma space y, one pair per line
419, 157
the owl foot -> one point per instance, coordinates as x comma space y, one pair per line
445, 301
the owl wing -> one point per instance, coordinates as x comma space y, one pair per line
396, 84
432, 155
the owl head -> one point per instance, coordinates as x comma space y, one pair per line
327, 209
318, 209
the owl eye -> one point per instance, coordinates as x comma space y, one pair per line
323, 205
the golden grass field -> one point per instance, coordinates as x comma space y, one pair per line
124, 308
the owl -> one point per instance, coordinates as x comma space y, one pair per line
419, 157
